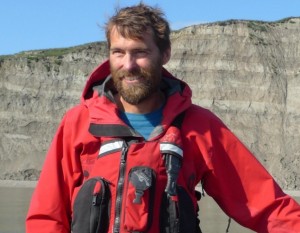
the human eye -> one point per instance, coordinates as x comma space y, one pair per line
116, 52
141, 52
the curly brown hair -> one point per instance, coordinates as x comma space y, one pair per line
132, 22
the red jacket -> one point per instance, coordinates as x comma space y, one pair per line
212, 154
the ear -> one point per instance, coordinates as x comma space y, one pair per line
166, 56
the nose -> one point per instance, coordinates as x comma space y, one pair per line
129, 62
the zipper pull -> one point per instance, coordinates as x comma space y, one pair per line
96, 192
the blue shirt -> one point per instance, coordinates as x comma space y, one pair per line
143, 123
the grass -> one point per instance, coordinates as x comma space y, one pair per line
35, 55
258, 26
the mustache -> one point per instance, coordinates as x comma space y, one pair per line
132, 73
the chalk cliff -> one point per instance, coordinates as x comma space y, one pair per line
247, 72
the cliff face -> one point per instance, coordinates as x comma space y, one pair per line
247, 72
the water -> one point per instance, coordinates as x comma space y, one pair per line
14, 203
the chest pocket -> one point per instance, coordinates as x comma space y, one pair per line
140, 194
92, 207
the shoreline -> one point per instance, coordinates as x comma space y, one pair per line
292, 193
17, 183
32, 184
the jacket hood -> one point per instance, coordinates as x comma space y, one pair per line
101, 72
103, 111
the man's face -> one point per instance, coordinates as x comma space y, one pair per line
136, 66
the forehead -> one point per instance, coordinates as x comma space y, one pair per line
122, 36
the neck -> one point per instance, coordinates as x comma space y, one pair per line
148, 105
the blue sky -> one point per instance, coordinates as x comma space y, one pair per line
36, 24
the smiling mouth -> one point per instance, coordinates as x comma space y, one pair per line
132, 79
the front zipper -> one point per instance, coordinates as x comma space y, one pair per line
120, 188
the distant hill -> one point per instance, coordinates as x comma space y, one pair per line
247, 72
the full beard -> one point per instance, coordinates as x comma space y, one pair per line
137, 92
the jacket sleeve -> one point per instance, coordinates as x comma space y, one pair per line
244, 189
50, 207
